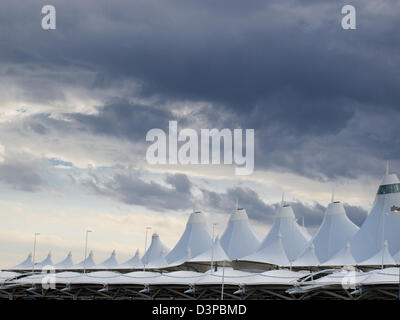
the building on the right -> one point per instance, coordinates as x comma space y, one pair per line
382, 224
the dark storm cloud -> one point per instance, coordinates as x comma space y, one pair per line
356, 214
22, 175
124, 120
180, 182
245, 197
132, 189
286, 69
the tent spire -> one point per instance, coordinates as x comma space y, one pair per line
387, 167
283, 198
333, 196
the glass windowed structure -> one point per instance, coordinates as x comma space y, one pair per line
389, 188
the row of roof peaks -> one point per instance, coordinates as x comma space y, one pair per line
338, 240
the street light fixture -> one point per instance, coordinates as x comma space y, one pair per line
86, 244
34, 252
212, 246
145, 249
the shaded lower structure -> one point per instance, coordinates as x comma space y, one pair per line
225, 283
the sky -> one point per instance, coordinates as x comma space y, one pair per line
76, 104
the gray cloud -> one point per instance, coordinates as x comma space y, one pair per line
130, 188
311, 90
22, 175
356, 214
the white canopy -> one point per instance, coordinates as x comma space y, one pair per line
239, 238
66, 263
109, 263
214, 253
88, 263
383, 221
24, 265
336, 229
196, 238
294, 238
132, 263
273, 253
155, 255
46, 262
383, 257
307, 258
342, 258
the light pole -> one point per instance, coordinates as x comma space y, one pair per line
86, 242
145, 249
223, 280
212, 246
34, 251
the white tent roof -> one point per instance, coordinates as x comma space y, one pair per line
294, 237
396, 257
215, 253
132, 263
342, 258
307, 258
66, 263
273, 253
196, 238
336, 229
46, 262
24, 265
381, 219
155, 254
385, 276
382, 257
239, 238
109, 263
89, 262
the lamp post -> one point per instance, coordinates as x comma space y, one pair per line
34, 252
212, 246
145, 249
223, 280
86, 243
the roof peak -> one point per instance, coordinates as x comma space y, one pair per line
196, 217
335, 208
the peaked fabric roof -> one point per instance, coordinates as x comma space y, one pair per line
109, 263
383, 257
342, 258
214, 253
46, 262
88, 263
24, 265
308, 258
294, 238
196, 238
239, 238
336, 229
273, 253
66, 263
155, 254
383, 221
132, 263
